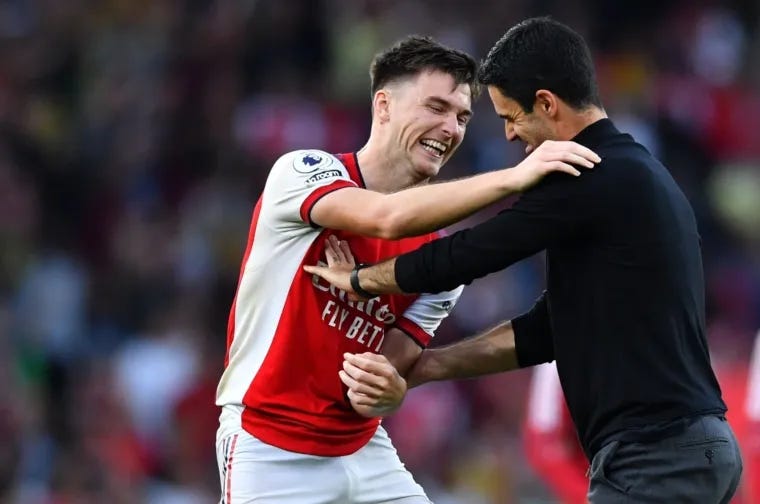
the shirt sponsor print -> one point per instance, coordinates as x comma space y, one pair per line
364, 321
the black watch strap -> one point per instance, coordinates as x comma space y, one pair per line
355, 282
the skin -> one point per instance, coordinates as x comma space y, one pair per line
430, 106
550, 119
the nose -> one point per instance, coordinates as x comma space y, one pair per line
509, 130
452, 127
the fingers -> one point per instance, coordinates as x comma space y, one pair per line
577, 159
358, 399
372, 363
564, 167
333, 252
585, 152
572, 152
314, 270
358, 387
349, 257
367, 383
338, 253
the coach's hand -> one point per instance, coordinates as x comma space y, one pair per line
374, 386
551, 156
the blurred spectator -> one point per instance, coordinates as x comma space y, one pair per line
550, 440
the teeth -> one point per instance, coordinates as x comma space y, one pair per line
432, 150
434, 144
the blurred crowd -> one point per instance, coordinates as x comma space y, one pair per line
135, 136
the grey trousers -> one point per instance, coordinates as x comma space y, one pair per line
701, 465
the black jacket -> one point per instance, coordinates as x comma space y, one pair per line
623, 314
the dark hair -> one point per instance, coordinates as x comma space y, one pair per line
414, 54
541, 53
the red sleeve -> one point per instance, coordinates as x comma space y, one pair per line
317, 194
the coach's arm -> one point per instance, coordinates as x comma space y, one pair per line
518, 343
512, 344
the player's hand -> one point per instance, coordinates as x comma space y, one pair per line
552, 156
340, 262
374, 386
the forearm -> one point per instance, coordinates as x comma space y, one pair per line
400, 350
380, 278
429, 207
487, 353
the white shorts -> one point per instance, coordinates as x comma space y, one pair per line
252, 471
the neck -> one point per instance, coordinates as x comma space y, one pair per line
576, 121
381, 171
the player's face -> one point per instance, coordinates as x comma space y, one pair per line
528, 127
430, 116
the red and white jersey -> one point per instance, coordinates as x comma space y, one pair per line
288, 330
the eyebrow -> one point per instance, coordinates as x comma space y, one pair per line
447, 103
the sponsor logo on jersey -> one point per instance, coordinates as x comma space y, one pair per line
363, 321
311, 161
318, 177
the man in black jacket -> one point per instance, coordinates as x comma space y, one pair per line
623, 313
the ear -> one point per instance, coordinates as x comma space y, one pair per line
381, 105
546, 102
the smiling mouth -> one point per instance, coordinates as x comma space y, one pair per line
436, 148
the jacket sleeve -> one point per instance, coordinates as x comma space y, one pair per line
533, 335
550, 212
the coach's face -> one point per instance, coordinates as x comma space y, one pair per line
531, 128
429, 116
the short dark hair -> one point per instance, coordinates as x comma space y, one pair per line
541, 53
414, 54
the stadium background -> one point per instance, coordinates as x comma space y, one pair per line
135, 136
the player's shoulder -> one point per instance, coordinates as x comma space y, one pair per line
305, 161
307, 168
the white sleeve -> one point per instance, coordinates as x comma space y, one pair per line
752, 404
427, 312
297, 181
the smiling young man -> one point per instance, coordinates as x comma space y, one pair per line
623, 314
287, 432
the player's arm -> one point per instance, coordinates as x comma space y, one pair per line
524, 341
425, 208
